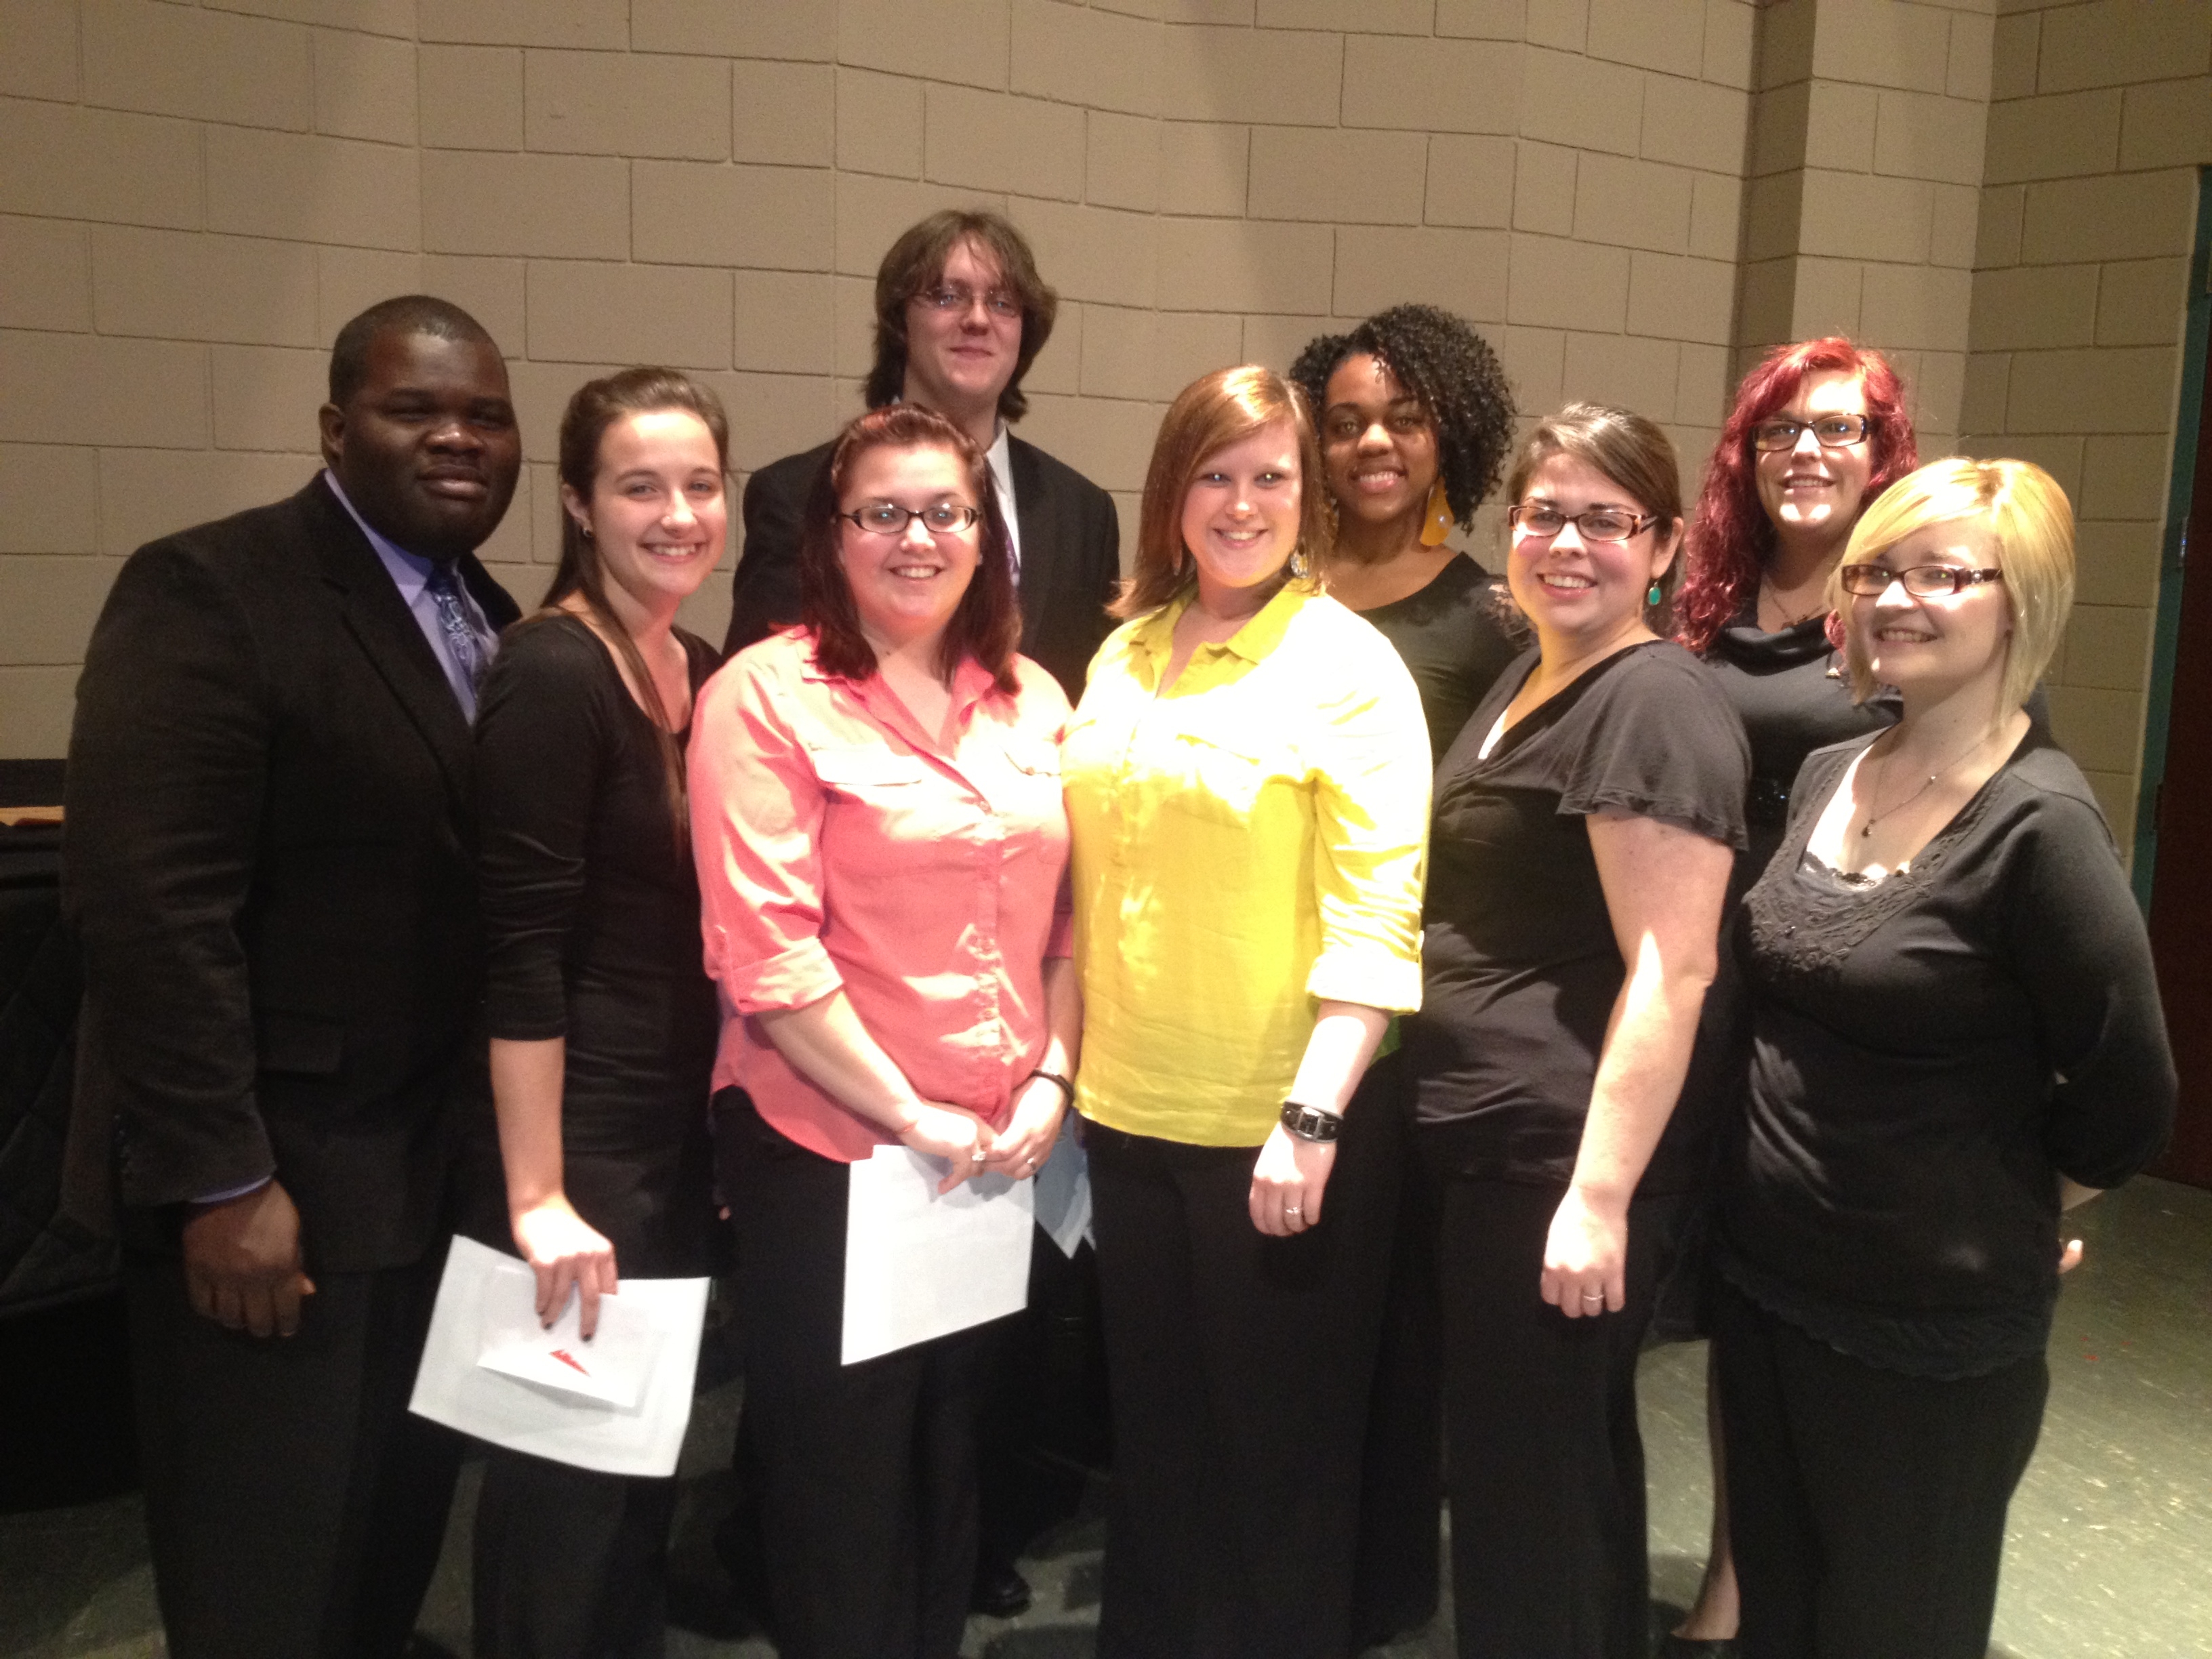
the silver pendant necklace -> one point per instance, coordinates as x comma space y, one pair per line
1897, 806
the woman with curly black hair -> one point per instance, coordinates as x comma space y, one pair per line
1416, 419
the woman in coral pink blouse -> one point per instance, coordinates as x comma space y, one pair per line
875, 811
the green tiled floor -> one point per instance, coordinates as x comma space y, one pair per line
2111, 1555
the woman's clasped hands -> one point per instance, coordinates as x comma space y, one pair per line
972, 1147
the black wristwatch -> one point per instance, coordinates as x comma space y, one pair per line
1312, 1122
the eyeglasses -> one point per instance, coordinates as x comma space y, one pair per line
1830, 431
1923, 581
1006, 306
1597, 524
889, 519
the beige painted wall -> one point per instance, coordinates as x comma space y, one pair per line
193, 198
2101, 115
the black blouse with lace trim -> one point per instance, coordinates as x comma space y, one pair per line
1929, 1053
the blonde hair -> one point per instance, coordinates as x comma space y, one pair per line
2024, 512
1209, 414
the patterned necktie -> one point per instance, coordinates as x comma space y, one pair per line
468, 648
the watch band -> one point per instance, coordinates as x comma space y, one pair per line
1312, 1122
1066, 1088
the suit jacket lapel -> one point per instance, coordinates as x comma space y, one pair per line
1036, 530
381, 624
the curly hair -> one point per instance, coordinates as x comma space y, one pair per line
1452, 369
1731, 539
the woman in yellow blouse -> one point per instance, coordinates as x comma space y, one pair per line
1248, 788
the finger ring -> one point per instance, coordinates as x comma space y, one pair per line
1292, 1209
1593, 1296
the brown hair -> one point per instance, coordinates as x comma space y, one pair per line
1632, 453
916, 264
986, 626
1209, 414
596, 406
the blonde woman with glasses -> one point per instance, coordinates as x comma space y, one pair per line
1956, 1033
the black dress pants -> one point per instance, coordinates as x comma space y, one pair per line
1239, 1366
1394, 1579
866, 1472
1867, 1506
569, 1562
1544, 1458
294, 1507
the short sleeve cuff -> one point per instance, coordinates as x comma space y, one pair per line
1371, 977
800, 974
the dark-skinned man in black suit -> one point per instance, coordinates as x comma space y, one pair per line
960, 313
268, 858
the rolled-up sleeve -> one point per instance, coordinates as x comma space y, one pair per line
757, 815
1369, 753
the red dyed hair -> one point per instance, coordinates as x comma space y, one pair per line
988, 624
1731, 538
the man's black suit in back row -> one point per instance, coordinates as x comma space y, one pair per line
1070, 557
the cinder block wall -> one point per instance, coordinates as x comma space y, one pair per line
2101, 116
193, 198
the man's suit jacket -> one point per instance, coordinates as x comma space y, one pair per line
1071, 539
268, 857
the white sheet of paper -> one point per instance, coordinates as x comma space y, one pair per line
612, 1366
919, 1265
484, 1293
1063, 1190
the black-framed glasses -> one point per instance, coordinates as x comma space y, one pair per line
1597, 524
950, 296
1923, 581
890, 518
1830, 432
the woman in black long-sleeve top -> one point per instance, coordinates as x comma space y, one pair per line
602, 1021
1955, 1031
1416, 419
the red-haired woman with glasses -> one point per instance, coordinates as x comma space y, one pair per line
876, 813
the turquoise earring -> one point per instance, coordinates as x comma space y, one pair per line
1652, 596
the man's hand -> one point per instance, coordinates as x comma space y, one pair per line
242, 1264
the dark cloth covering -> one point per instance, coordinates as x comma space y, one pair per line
1520, 966
1867, 1507
1221, 1542
1793, 694
1452, 642
592, 918
269, 861
592, 930
1547, 1463
1930, 1053
866, 1472
1071, 558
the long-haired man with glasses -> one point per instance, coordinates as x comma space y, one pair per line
960, 313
